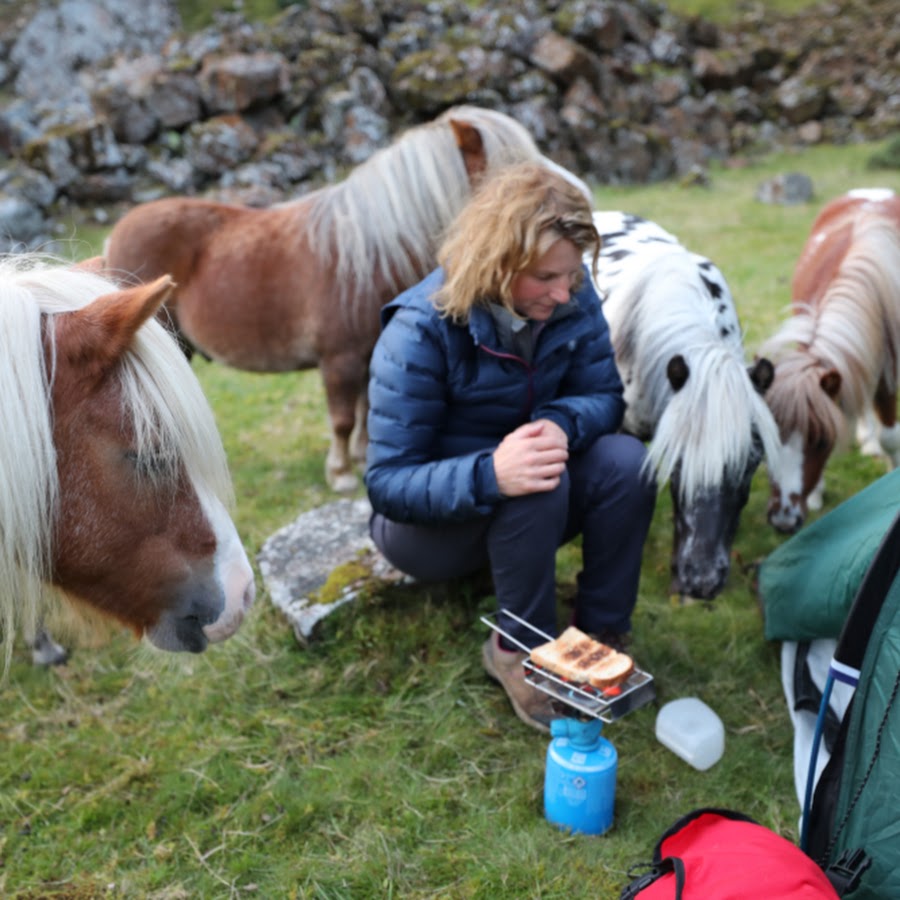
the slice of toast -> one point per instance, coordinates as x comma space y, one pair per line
577, 657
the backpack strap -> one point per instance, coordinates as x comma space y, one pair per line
673, 864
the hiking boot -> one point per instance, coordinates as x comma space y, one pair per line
532, 706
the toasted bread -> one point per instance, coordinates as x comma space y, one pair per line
577, 657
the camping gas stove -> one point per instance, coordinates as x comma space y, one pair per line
608, 704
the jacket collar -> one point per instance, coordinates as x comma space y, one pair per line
495, 326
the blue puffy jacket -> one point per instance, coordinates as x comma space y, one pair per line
442, 396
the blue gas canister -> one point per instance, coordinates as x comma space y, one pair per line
580, 777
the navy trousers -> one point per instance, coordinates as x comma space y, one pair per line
604, 496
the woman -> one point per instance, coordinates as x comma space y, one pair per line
494, 409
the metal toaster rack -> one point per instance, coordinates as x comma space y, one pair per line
636, 691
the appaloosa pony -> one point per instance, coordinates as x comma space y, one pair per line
836, 357
688, 390
301, 284
113, 475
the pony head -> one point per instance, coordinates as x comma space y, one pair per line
688, 389
383, 224
804, 399
836, 356
114, 478
706, 510
488, 139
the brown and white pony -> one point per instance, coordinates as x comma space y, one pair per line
836, 358
113, 475
301, 284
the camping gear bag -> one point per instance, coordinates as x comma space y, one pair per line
850, 793
719, 854
857, 797
807, 585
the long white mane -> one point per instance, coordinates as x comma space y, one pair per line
159, 393
388, 215
853, 328
661, 307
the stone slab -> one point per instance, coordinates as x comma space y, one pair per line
298, 559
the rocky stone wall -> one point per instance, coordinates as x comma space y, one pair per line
105, 108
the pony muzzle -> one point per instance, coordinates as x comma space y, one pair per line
786, 518
212, 604
701, 581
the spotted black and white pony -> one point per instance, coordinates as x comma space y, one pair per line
688, 390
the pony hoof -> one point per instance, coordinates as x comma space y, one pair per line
343, 483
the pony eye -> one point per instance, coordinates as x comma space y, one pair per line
149, 465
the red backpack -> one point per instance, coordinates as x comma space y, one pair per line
718, 854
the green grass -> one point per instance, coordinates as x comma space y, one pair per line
726, 11
197, 14
380, 761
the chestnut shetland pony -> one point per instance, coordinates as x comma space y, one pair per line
301, 284
113, 476
836, 358
688, 390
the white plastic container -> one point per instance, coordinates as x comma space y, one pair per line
691, 730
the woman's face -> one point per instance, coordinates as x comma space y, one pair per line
537, 290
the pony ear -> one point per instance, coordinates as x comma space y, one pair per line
831, 383
99, 333
471, 146
762, 374
677, 372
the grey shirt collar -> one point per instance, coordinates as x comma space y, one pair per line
519, 336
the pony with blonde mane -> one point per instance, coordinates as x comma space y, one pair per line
836, 357
301, 284
113, 476
688, 390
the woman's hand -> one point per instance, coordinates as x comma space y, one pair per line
531, 458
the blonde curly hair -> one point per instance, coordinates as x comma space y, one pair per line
510, 222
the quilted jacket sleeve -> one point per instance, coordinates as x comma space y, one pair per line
589, 401
407, 401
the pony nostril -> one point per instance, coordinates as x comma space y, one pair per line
785, 522
701, 582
